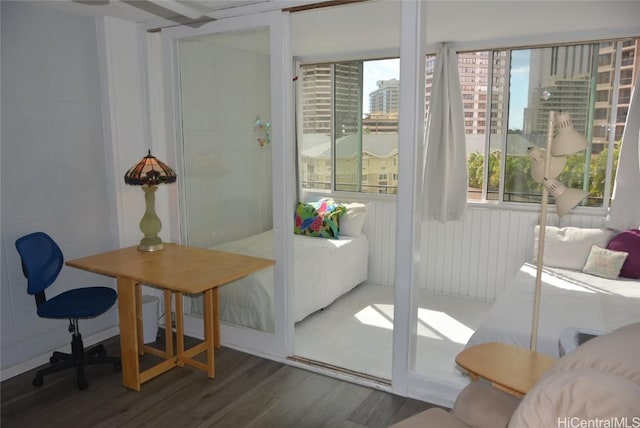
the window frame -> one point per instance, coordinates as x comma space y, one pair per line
614, 79
305, 192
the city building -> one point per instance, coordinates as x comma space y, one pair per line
386, 98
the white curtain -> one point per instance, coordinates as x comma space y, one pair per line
625, 206
445, 180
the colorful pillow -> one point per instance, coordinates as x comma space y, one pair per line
629, 242
604, 263
319, 219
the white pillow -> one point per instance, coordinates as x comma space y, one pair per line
569, 247
604, 263
352, 221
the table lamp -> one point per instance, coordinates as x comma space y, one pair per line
148, 173
545, 170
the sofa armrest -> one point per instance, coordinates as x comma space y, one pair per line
479, 405
432, 418
483, 406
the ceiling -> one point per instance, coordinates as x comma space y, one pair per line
158, 13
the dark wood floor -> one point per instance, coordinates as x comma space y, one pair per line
248, 391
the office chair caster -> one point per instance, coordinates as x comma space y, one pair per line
38, 381
82, 384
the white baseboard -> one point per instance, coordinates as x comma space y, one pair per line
23, 367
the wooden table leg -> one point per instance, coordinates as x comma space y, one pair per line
168, 328
139, 325
179, 330
128, 333
216, 318
208, 299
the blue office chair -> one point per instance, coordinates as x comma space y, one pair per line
42, 261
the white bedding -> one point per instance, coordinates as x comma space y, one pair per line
324, 269
569, 299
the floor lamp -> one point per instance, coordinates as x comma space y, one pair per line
545, 170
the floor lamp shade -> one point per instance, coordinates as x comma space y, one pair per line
568, 140
537, 164
148, 173
566, 198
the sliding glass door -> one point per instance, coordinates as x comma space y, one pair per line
222, 94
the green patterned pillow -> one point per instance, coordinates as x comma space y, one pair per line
320, 219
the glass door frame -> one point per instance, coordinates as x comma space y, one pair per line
279, 344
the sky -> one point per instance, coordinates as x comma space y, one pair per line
519, 91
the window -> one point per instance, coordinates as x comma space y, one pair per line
349, 135
349, 118
526, 85
604, 77
602, 96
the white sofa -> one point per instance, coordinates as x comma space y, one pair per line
598, 382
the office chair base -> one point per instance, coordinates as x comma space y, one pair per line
78, 359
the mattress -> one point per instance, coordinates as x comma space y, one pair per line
569, 299
324, 269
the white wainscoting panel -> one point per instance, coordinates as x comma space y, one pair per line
381, 232
474, 257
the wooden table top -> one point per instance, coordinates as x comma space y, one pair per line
180, 268
507, 366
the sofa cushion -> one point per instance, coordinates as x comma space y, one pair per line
629, 242
568, 247
604, 263
577, 396
616, 352
474, 400
352, 221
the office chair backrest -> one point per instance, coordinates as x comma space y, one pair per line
42, 261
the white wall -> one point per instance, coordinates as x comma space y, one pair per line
53, 170
371, 28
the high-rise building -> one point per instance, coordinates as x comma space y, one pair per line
386, 98
629, 70
317, 90
475, 72
318, 98
347, 97
560, 81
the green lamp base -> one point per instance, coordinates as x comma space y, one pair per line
156, 247
150, 224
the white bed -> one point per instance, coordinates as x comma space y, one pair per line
569, 298
324, 269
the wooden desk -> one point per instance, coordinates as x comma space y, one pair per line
177, 269
509, 368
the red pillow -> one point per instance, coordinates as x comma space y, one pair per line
628, 241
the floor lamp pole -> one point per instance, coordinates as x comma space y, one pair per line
541, 235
